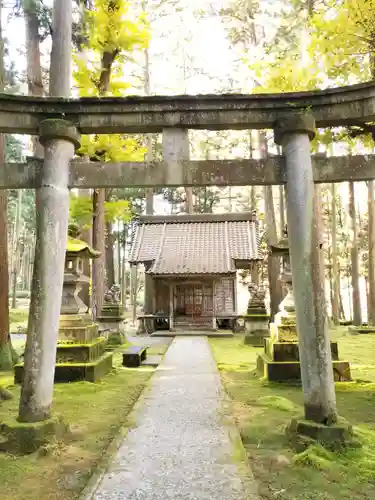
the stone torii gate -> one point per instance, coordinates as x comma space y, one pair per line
292, 116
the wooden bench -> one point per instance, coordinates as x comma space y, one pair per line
133, 356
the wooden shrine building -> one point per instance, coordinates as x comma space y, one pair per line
190, 266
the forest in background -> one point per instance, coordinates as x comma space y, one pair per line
150, 47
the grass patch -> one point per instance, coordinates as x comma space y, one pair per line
18, 320
95, 412
263, 409
18, 315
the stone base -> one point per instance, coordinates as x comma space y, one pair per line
302, 433
280, 371
74, 372
77, 328
257, 325
19, 438
80, 353
289, 351
110, 324
357, 330
112, 311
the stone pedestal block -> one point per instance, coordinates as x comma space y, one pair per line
80, 353
75, 372
77, 328
256, 320
111, 318
256, 329
280, 361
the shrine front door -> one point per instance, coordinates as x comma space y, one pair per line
189, 299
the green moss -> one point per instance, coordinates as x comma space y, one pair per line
71, 343
95, 414
8, 357
278, 402
315, 456
264, 409
25, 438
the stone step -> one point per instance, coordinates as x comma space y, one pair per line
193, 333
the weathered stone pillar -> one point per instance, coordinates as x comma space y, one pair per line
59, 138
294, 134
176, 148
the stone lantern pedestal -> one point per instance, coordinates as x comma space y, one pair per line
280, 359
256, 319
80, 353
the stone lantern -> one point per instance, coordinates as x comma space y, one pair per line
76, 324
280, 359
284, 328
256, 319
77, 251
81, 352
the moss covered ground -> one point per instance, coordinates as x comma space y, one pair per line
95, 413
262, 410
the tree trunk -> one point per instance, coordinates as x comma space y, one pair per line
189, 200
335, 263
110, 261
273, 261
149, 155
371, 253
85, 293
367, 299
98, 242
357, 314
86, 235
271, 234
342, 310
282, 209
253, 198
149, 191
6, 362
17, 254
118, 246
34, 67
98, 200
7, 355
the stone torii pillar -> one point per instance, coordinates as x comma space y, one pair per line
294, 134
59, 138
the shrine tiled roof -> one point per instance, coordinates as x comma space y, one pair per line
196, 243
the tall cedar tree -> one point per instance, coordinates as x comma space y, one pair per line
114, 32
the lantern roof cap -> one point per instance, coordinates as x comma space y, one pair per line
80, 248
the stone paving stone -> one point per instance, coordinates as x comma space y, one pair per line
180, 448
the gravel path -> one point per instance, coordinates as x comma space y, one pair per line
181, 448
